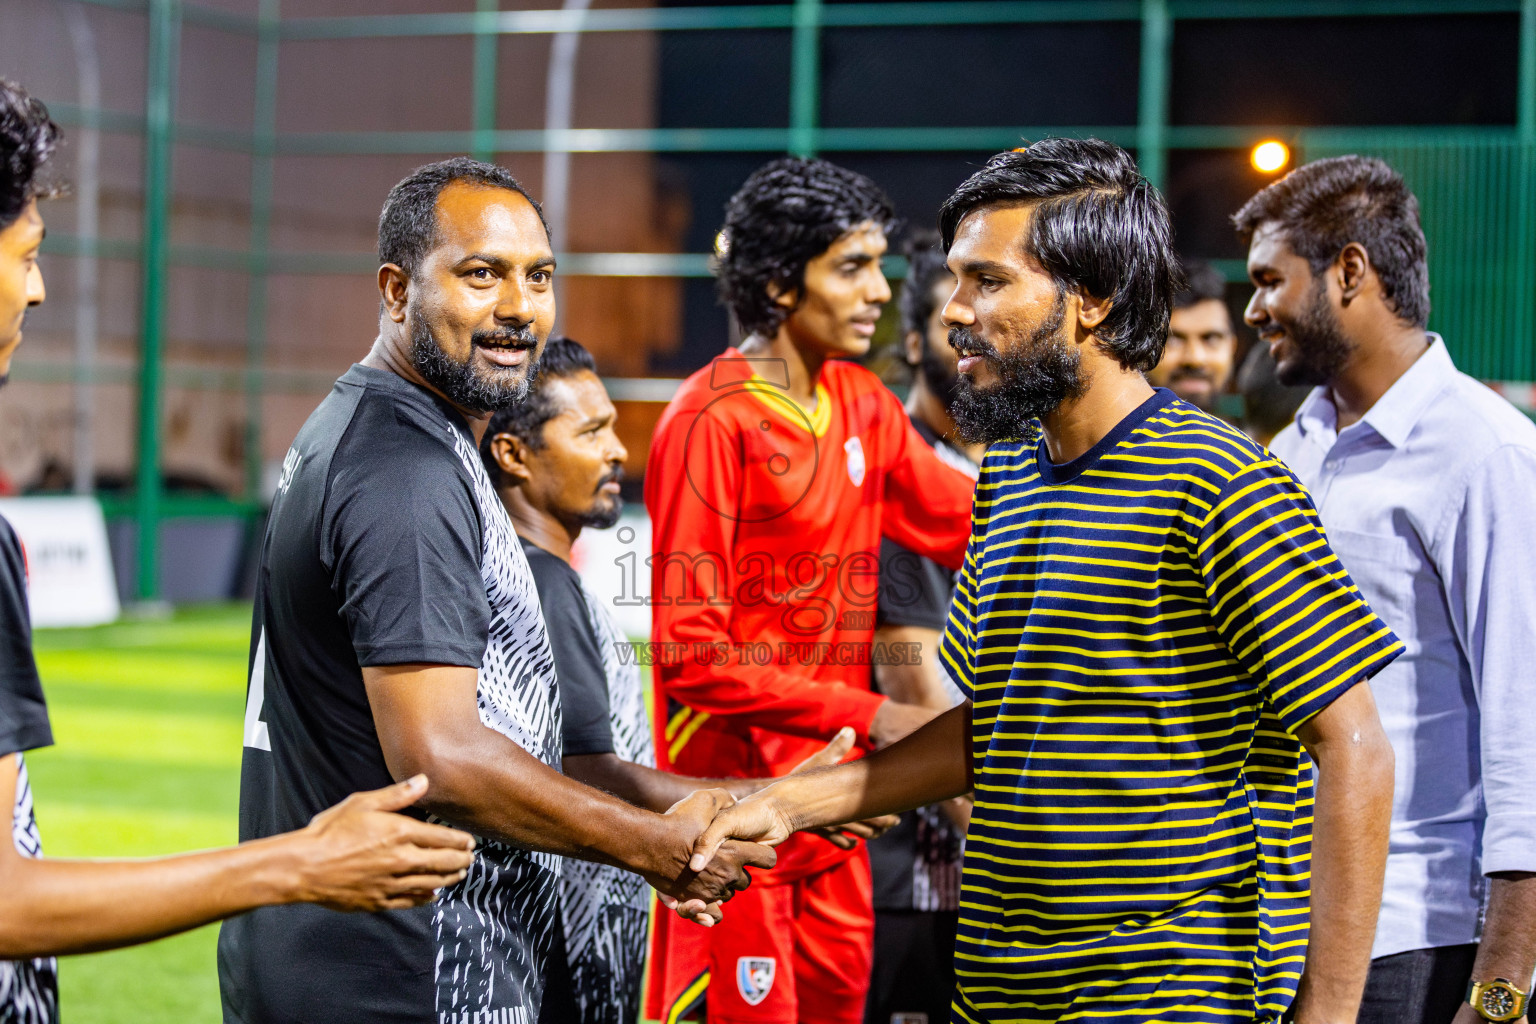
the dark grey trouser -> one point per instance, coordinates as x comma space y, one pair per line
1421, 986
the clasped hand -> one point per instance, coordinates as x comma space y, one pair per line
752, 819
756, 823
696, 888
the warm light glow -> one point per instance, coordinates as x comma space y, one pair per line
1270, 156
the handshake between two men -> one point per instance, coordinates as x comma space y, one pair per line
839, 801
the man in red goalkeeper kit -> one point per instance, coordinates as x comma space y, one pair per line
772, 477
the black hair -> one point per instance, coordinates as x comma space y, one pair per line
788, 212
28, 137
1321, 207
1202, 283
525, 421
408, 222
925, 268
1098, 227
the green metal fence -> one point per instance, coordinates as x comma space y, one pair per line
1481, 235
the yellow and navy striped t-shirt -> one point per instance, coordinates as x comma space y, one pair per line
1142, 631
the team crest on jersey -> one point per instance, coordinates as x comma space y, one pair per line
855, 451
754, 975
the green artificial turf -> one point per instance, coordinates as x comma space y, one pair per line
147, 719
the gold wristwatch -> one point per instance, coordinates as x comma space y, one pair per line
1498, 999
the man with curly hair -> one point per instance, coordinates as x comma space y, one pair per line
772, 477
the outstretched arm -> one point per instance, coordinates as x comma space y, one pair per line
358, 855
932, 764
428, 721
1351, 818
645, 787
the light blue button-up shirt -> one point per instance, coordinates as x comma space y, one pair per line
1430, 503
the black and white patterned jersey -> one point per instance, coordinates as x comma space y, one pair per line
604, 910
29, 989
386, 544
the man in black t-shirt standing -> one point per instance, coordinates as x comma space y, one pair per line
916, 866
356, 856
557, 461
397, 630
567, 428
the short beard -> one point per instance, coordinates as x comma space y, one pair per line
467, 385
1322, 350
601, 515
1035, 377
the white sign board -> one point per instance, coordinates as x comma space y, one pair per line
68, 562
613, 565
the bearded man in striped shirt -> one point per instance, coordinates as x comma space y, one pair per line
1159, 650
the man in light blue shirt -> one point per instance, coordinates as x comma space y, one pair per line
1426, 484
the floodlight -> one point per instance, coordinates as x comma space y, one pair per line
1270, 156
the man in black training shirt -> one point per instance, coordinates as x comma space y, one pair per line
557, 461
397, 630
569, 420
357, 856
916, 866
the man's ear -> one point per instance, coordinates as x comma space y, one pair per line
1350, 270
786, 297
511, 456
912, 348
1091, 311
394, 287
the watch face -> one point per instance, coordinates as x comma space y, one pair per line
1498, 1001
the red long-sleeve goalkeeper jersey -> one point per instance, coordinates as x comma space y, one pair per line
767, 522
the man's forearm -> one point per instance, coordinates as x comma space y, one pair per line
1508, 947
647, 787
529, 804
930, 765
1351, 822
51, 907
484, 782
